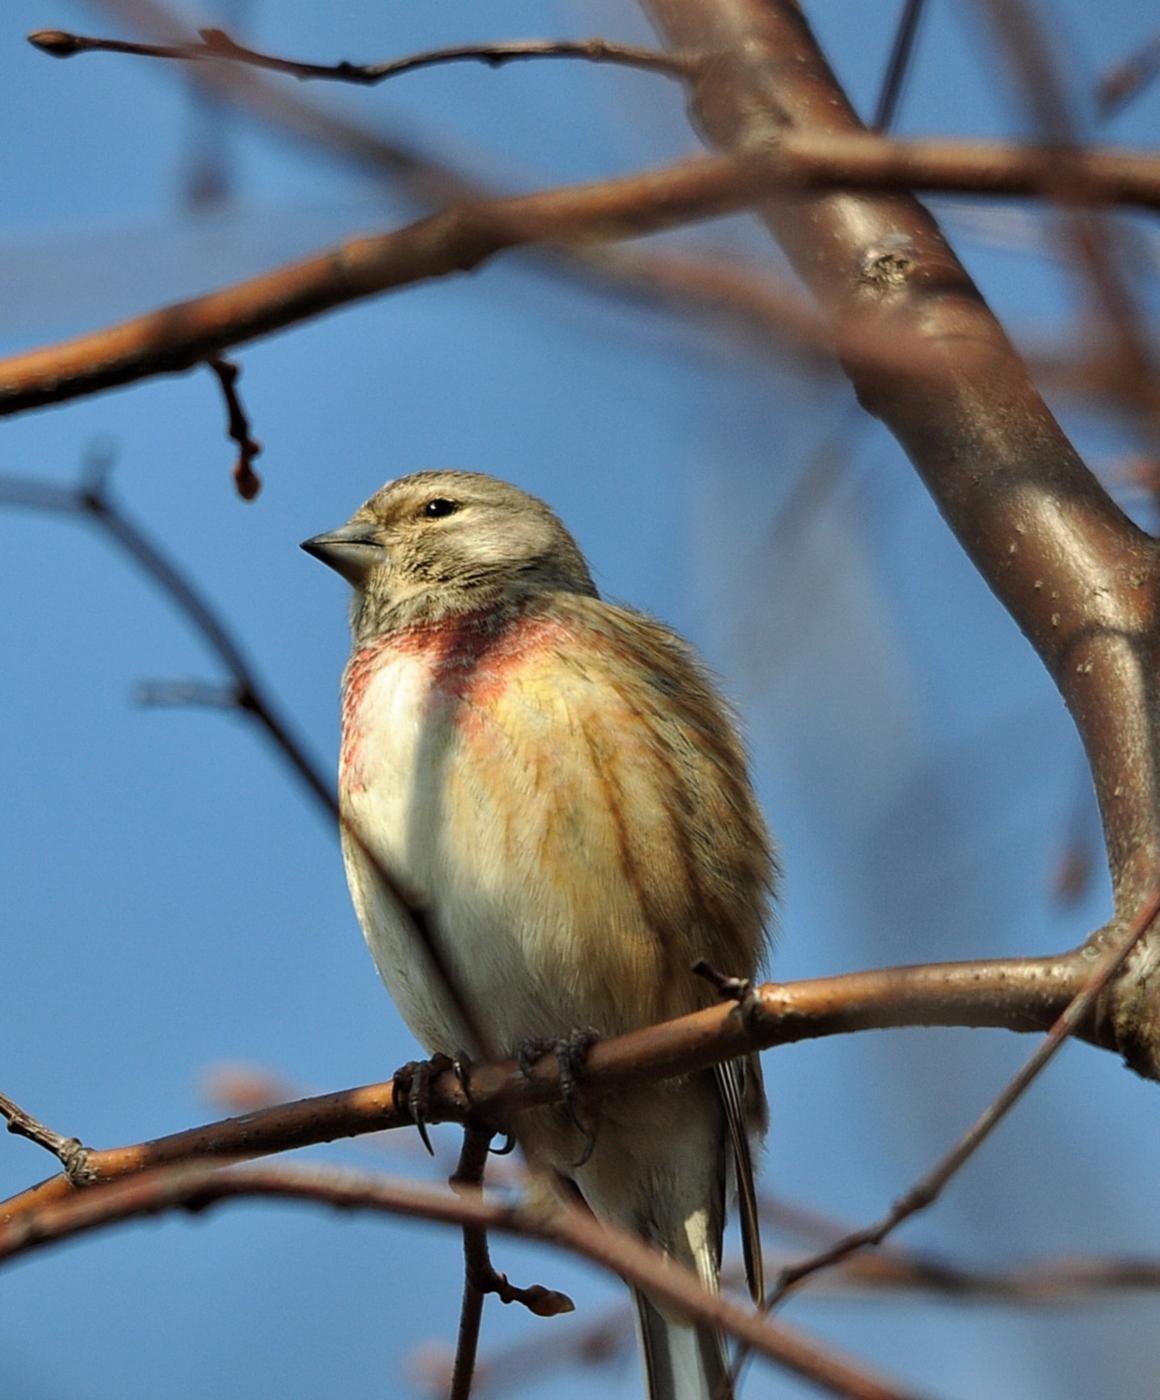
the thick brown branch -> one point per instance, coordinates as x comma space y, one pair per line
1078, 577
1017, 994
198, 1187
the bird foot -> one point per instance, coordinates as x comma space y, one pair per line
570, 1051
413, 1084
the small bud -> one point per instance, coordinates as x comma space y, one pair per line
57, 42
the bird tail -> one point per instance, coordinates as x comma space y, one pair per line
682, 1360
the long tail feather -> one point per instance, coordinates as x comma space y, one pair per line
731, 1088
681, 1361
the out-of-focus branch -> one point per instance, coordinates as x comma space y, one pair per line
930, 1187
1128, 78
428, 179
547, 1219
1080, 579
456, 240
898, 65
1046, 1283
1094, 243
216, 44
467, 234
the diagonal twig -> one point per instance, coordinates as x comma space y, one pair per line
1128, 78
70, 1152
249, 697
926, 1191
897, 65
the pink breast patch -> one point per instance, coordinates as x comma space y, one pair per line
471, 658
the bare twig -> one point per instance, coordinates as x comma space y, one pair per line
70, 1152
216, 44
898, 65
246, 480
198, 1187
1127, 79
480, 1276
926, 1191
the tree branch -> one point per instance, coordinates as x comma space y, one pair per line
217, 44
931, 1186
1079, 578
1024, 994
456, 240
467, 234
198, 1187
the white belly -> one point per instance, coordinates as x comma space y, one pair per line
434, 802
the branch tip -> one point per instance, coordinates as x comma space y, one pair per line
57, 43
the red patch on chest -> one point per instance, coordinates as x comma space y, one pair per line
471, 659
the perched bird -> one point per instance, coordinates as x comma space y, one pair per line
555, 783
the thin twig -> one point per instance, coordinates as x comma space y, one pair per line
897, 66
476, 1265
926, 1191
1128, 78
70, 1152
250, 698
216, 44
480, 1277
246, 479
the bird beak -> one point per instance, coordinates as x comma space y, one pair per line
352, 550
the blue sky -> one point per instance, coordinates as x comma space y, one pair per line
171, 900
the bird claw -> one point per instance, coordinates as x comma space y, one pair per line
413, 1082
570, 1051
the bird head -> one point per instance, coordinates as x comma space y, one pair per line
439, 543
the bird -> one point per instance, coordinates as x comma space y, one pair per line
553, 786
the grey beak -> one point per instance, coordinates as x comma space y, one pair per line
351, 550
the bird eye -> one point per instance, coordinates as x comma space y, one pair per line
439, 507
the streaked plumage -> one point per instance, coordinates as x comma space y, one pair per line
555, 781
